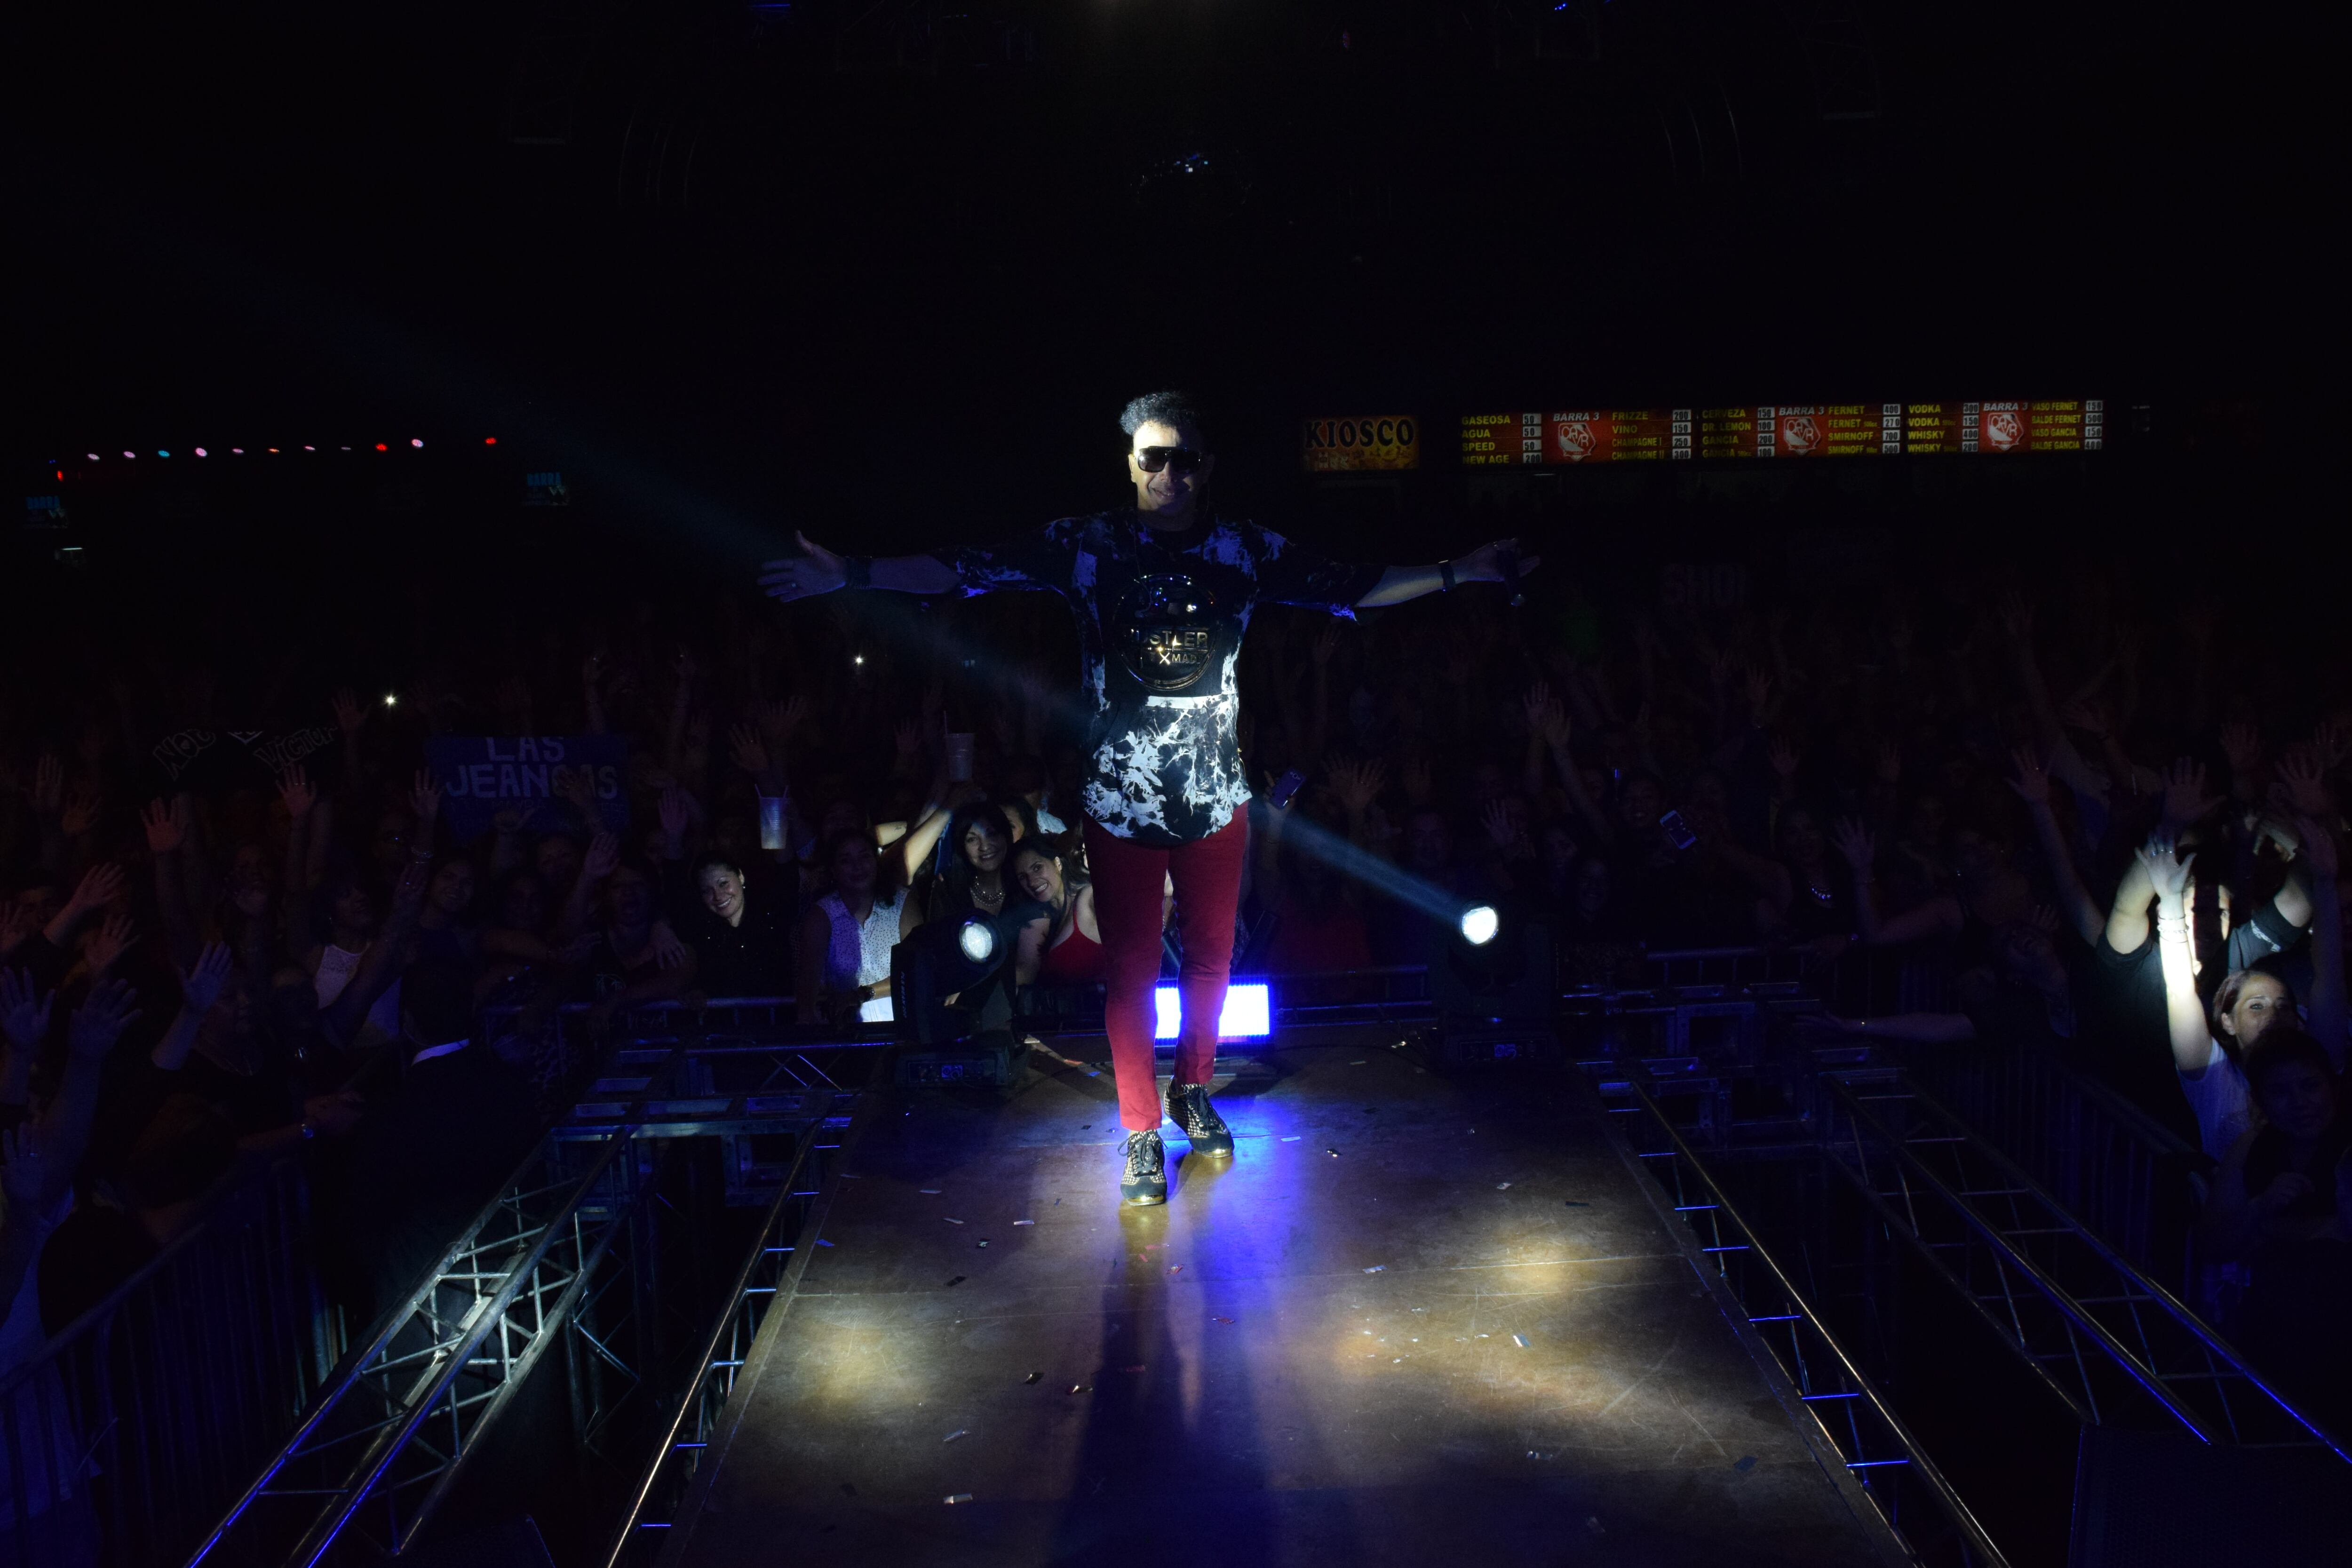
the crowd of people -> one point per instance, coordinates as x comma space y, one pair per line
2057, 826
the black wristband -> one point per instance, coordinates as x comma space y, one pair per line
857, 571
1445, 577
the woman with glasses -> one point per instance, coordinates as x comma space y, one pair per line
1162, 590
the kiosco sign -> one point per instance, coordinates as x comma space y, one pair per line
1355, 445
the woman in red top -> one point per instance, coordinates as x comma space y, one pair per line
1074, 952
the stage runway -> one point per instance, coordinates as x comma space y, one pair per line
1464, 1336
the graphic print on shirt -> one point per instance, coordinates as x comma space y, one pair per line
1167, 626
1160, 619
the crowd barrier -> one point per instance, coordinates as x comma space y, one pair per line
124, 1437
2130, 1179
121, 1439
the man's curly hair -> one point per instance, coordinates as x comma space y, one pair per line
1176, 408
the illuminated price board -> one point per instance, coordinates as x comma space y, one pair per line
1782, 430
1493, 441
2047, 426
1371, 444
1616, 435
1566, 438
1730, 432
1802, 430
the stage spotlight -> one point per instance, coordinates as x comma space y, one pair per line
1479, 924
965, 960
1248, 1012
978, 942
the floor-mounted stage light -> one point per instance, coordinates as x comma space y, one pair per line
1479, 923
968, 960
1248, 1013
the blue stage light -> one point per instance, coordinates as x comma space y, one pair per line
1248, 1014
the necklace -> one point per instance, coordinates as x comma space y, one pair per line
991, 900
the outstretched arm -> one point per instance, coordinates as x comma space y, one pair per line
2327, 998
817, 570
2031, 783
1483, 564
2192, 1040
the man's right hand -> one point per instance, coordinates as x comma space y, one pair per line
815, 571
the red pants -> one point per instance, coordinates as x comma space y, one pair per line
1129, 880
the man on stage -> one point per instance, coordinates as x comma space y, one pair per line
1163, 593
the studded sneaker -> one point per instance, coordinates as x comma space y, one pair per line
1145, 1179
1189, 1108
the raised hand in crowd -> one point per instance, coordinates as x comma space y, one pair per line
24, 1012
2185, 800
2028, 777
2168, 869
80, 814
1355, 786
2332, 740
2303, 780
294, 792
49, 799
201, 985
99, 886
1853, 842
107, 943
677, 816
167, 825
112, 1007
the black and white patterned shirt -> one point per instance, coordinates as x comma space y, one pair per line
1161, 618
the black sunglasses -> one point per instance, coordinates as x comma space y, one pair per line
1183, 459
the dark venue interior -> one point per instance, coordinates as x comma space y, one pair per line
587, 980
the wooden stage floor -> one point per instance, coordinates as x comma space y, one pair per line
1466, 1336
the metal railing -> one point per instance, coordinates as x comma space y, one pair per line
1884, 1458
381, 1445
2111, 1342
769, 1270
2116, 1168
121, 1441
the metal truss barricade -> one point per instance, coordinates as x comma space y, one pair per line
2104, 1337
2135, 1181
1886, 1461
769, 1270
122, 1439
377, 1452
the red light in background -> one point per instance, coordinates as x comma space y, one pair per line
381, 448
489, 441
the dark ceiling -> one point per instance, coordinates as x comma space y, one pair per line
911, 255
